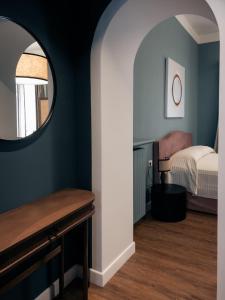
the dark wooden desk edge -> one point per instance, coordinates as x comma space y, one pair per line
85, 214
44, 243
47, 227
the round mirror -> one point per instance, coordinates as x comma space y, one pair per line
177, 89
26, 83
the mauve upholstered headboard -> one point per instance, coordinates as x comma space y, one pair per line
167, 146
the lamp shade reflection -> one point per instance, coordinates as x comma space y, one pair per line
32, 69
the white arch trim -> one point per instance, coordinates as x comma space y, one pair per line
118, 36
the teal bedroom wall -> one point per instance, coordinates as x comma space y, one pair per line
170, 39
208, 93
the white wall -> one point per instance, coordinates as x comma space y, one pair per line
8, 126
120, 32
218, 7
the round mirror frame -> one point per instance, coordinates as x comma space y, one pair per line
13, 144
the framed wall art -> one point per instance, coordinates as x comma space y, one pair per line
175, 90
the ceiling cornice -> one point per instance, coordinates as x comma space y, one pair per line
200, 39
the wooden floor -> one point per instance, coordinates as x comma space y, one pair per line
172, 261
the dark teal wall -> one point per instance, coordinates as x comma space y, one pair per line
201, 63
168, 39
61, 156
208, 93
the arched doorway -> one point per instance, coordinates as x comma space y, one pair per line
118, 37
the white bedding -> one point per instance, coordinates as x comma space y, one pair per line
208, 176
195, 168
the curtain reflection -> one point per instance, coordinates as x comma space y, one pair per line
32, 108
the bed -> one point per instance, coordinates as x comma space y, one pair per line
194, 167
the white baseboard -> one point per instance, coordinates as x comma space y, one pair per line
101, 278
53, 290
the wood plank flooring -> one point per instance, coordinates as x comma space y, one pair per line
173, 261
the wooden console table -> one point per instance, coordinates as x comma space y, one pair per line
33, 234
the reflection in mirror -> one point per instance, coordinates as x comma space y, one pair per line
26, 84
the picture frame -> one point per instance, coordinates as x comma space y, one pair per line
175, 90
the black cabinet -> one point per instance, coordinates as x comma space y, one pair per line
169, 202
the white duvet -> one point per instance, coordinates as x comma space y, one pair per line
195, 168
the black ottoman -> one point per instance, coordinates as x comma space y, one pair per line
169, 202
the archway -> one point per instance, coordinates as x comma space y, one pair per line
118, 37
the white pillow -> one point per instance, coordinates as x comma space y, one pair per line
193, 153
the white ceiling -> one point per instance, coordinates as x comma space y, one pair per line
35, 48
201, 29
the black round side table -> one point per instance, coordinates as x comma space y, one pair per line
169, 202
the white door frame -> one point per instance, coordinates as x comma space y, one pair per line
119, 33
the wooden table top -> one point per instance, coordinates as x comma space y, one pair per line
19, 224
